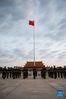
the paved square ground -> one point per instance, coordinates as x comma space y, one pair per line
31, 89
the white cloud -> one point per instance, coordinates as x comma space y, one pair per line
16, 36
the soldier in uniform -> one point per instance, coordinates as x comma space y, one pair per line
16, 72
64, 72
61, 72
10, 71
25, 73
13, 73
7, 73
4, 73
43, 72
0, 70
34, 73
50, 72
58, 71
55, 72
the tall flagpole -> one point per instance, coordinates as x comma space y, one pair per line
34, 44
31, 22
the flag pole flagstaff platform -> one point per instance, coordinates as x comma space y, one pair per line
32, 23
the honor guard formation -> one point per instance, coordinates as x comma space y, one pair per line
18, 72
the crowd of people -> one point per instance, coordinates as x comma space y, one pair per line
10, 72
16, 72
57, 72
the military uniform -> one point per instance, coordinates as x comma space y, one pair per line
43, 73
34, 73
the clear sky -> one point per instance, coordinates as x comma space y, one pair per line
16, 36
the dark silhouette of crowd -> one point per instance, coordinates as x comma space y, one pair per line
17, 72
10, 72
57, 72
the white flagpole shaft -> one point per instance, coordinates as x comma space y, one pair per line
34, 44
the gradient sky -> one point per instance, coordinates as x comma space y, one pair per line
16, 36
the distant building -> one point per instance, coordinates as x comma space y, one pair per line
30, 65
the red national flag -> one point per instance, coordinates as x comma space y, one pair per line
31, 22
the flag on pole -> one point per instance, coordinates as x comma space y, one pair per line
31, 22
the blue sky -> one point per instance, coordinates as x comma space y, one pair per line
16, 36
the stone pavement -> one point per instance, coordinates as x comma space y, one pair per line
31, 89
